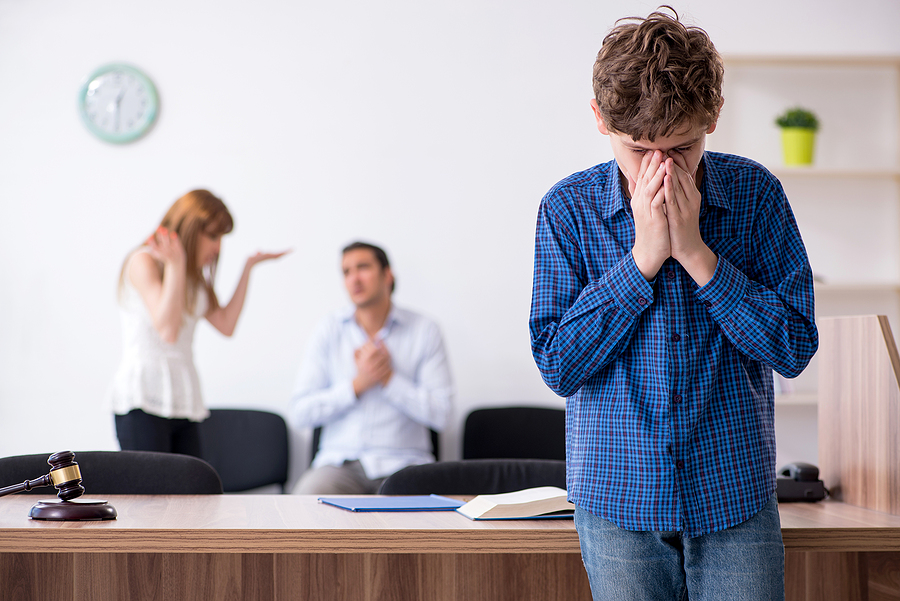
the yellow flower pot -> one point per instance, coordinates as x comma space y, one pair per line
797, 144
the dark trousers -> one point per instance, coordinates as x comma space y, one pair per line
139, 431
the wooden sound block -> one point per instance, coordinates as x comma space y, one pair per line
74, 510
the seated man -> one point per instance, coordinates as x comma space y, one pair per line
376, 378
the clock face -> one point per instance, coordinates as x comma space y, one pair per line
118, 103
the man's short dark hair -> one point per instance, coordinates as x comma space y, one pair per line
655, 75
379, 253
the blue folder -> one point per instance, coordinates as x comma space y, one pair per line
400, 503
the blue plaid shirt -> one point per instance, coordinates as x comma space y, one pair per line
670, 409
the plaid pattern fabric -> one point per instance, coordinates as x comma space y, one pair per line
670, 408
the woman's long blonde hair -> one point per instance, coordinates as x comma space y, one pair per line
197, 212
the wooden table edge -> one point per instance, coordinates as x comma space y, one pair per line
288, 541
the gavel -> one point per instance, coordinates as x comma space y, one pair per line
64, 474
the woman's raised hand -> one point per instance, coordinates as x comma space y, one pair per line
224, 318
261, 256
165, 246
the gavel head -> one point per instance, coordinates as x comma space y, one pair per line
65, 475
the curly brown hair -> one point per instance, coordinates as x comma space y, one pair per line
654, 76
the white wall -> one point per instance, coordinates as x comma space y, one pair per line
431, 128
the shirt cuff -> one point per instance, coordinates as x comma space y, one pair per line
628, 287
724, 291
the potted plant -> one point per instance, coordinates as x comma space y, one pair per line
798, 135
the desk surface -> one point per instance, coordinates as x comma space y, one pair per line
299, 524
273, 524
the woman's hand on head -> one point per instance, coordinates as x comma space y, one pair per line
165, 246
261, 256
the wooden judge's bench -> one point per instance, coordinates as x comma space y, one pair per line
289, 547
280, 547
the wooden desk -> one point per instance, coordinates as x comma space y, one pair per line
282, 547
290, 547
839, 552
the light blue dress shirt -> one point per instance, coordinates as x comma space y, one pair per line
387, 427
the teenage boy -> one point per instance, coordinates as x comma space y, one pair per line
668, 284
376, 378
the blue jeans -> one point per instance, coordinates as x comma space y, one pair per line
742, 563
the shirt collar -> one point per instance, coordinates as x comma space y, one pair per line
394, 316
347, 313
712, 187
613, 200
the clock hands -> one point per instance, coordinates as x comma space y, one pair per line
114, 106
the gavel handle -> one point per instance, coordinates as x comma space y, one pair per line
27, 485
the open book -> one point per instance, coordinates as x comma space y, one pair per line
541, 502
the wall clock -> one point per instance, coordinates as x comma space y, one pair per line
118, 103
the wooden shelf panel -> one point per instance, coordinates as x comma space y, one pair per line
861, 288
824, 172
810, 60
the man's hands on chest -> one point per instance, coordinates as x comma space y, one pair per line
373, 366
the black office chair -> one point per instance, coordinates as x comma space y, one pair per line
248, 447
475, 477
435, 443
121, 473
515, 433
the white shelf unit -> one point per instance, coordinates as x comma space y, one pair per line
847, 204
797, 399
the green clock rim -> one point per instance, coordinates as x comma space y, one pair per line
127, 137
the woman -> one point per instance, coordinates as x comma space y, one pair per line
165, 286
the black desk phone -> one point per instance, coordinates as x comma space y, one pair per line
799, 482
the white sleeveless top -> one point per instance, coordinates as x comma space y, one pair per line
155, 376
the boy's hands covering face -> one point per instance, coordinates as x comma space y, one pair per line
665, 202
652, 244
682, 210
